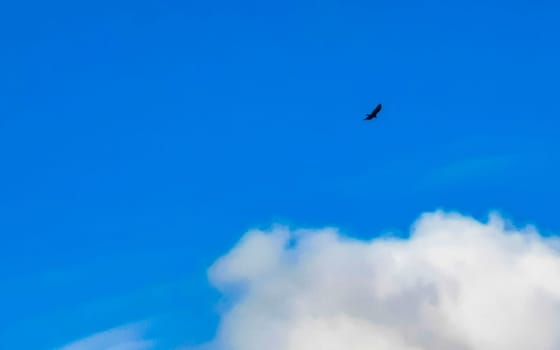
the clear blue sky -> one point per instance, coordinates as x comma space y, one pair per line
140, 139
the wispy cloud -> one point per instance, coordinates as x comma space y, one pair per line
455, 284
127, 337
469, 170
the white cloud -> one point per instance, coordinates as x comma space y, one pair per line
128, 337
455, 284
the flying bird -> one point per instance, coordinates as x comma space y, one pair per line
373, 114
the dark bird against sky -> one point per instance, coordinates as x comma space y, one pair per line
373, 114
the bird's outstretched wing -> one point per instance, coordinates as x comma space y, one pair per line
373, 114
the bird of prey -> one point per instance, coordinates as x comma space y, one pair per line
373, 114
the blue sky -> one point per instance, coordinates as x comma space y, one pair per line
139, 140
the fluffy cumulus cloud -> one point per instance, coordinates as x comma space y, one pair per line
454, 284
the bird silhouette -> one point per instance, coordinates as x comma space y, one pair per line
373, 114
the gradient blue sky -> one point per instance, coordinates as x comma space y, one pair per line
140, 139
